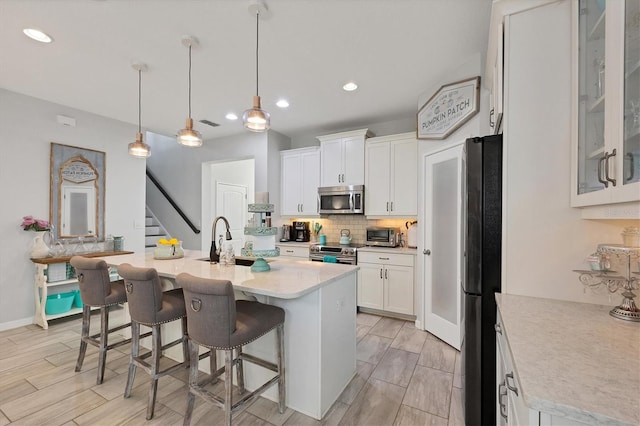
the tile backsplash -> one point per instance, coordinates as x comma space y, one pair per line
357, 224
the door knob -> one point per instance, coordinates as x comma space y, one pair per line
427, 252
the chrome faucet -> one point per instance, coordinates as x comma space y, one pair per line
214, 254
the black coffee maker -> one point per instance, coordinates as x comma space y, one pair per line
301, 231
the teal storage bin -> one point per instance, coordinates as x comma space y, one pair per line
77, 300
59, 303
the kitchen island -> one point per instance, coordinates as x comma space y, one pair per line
319, 300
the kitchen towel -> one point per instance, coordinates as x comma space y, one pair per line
330, 259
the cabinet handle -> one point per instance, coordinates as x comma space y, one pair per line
392, 206
511, 388
631, 171
386, 274
502, 391
600, 161
383, 258
498, 328
380, 273
606, 166
491, 122
301, 208
289, 251
427, 252
387, 206
343, 178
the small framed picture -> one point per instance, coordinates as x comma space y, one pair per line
448, 109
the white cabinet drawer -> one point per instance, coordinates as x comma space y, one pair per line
292, 251
386, 258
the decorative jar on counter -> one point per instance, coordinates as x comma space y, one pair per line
168, 249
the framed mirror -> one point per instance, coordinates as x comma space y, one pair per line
76, 194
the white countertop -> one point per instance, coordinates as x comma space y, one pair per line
574, 359
398, 250
287, 279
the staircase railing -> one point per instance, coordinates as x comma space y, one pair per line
153, 179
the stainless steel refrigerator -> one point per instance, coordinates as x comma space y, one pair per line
483, 252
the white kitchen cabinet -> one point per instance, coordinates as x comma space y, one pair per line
605, 103
342, 158
391, 175
299, 251
300, 179
386, 282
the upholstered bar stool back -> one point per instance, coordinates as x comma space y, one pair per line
150, 306
218, 321
97, 290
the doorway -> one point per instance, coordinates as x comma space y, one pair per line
226, 199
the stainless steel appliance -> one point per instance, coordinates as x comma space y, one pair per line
301, 231
383, 237
286, 233
341, 199
483, 248
334, 253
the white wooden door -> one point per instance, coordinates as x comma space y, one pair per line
291, 185
370, 286
377, 179
309, 179
353, 161
443, 244
331, 162
231, 202
398, 289
404, 178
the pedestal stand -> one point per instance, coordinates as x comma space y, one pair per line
264, 244
625, 258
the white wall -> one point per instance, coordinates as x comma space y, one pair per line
27, 127
544, 238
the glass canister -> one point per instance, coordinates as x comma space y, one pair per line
118, 243
631, 236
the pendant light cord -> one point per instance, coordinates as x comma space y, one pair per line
257, 39
189, 80
139, 100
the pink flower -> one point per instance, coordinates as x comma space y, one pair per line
31, 224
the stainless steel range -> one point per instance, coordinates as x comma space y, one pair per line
335, 253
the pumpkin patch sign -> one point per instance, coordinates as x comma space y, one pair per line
448, 109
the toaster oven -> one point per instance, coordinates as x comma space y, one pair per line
383, 237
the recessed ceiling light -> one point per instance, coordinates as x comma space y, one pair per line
37, 35
231, 116
350, 86
282, 103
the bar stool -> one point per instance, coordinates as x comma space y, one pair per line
97, 290
218, 321
150, 306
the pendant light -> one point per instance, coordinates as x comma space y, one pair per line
256, 119
188, 136
138, 148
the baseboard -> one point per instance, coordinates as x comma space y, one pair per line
15, 324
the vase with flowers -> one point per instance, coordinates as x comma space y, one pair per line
41, 227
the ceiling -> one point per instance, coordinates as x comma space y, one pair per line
393, 49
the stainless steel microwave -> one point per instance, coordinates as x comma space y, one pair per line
341, 199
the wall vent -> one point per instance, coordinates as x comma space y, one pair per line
210, 123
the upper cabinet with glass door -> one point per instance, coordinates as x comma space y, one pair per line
606, 102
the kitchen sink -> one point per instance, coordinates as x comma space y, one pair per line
239, 261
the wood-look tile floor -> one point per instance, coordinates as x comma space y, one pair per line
405, 376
